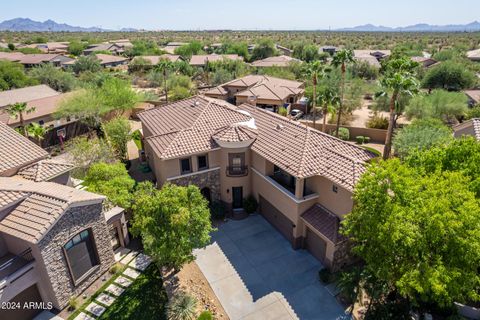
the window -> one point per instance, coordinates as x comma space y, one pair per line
335, 188
236, 164
41, 122
185, 166
202, 162
81, 254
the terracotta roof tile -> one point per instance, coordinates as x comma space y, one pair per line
26, 94
278, 61
44, 170
325, 222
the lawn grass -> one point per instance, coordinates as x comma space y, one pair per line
145, 299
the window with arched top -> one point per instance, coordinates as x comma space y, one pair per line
81, 255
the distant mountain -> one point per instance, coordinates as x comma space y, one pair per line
25, 24
421, 27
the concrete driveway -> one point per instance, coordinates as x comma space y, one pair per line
256, 274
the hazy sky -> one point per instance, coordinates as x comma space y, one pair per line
245, 14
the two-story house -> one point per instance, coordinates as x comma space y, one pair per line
302, 178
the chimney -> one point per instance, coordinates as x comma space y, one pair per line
252, 100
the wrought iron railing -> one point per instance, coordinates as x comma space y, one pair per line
237, 171
15, 263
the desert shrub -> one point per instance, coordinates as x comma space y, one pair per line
116, 268
250, 204
360, 139
205, 315
283, 111
182, 307
473, 112
73, 303
344, 134
377, 122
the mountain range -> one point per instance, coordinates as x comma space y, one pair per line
26, 24
421, 27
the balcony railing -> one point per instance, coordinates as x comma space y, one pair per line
9, 264
237, 171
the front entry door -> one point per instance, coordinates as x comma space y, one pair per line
237, 197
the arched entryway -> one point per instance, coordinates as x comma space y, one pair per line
207, 194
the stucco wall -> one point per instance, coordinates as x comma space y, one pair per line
70, 224
340, 203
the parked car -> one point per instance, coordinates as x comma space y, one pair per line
296, 114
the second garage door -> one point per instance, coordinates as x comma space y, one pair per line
30, 294
276, 218
316, 246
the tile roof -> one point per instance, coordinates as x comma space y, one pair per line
474, 95
38, 58
16, 151
180, 129
472, 124
235, 133
44, 170
42, 205
26, 94
11, 56
279, 61
367, 53
325, 222
106, 58
201, 60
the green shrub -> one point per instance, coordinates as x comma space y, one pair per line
73, 303
250, 204
377, 122
473, 112
217, 210
360, 139
366, 139
344, 134
182, 307
205, 315
116, 268
283, 111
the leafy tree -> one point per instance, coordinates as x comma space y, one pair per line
53, 77
87, 151
364, 70
37, 132
87, 63
473, 112
399, 78
179, 93
117, 132
239, 48
421, 135
172, 222
12, 76
265, 49
11, 47
111, 180
310, 53
440, 104
76, 47
423, 226
449, 75
188, 50
143, 47
18, 110
342, 59
315, 70
164, 66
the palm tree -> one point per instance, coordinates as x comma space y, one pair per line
37, 132
341, 59
399, 79
17, 110
328, 97
315, 70
164, 66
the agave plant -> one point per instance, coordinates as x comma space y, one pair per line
182, 307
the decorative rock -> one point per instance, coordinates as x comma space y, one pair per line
95, 309
115, 290
105, 299
83, 316
124, 282
131, 273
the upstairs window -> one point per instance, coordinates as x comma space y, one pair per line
185, 166
202, 162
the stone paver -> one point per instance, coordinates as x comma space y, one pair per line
83, 316
256, 274
120, 253
129, 272
95, 309
124, 282
140, 262
115, 290
129, 257
105, 299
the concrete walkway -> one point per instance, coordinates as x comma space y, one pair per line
257, 275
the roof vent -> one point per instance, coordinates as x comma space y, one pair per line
195, 103
279, 127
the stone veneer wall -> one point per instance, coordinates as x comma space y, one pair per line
51, 247
342, 256
209, 179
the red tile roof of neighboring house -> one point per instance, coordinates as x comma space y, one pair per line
474, 124
325, 222
279, 61
474, 95
188, 126
26, 94
45, 170
106, 58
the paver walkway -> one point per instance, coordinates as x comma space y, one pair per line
256, 274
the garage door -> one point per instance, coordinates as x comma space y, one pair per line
276, 218
316, 245
30, 294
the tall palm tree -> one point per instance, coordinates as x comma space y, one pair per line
315, 70
165, 66
399, 79
17, 110
341, 59
327, 97
37, 132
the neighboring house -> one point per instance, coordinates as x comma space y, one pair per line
50, 47
263, 91
109, 61
202, 59
55, 240
474, 55
301, 178
468, 128
285, 51
278, 61
473, 97
425, 62
172, 46
34, 60
45, 102
115, 47
372, 57
331, 50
